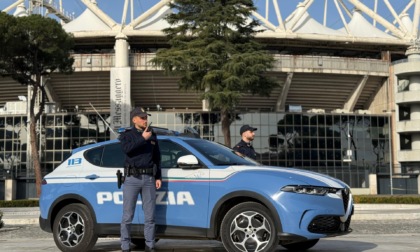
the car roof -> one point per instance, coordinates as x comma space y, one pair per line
160, 137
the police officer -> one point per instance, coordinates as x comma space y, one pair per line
142, 175
244, 147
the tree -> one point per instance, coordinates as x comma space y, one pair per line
213, 51
32, 47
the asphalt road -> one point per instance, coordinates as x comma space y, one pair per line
367, 235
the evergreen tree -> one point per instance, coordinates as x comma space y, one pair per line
32, 47
214, 52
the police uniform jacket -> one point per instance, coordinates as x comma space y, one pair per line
246, 149
139, 152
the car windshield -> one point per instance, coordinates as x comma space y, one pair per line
219, 154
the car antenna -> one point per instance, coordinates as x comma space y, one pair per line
107, 124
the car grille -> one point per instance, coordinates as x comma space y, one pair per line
332, 224
328, 225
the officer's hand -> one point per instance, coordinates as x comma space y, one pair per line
158, 183
146, 134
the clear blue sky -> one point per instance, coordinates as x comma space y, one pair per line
114, 8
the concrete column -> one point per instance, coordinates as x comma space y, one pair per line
415, 109
205, 102
373, 184
418, 184
414, 83
10, 189
120, 86
121, 50
415, 141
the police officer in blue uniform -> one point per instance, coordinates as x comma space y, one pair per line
244, 147
142, 176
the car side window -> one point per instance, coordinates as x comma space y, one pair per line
170, 152
113, 156
110, 155
94, 156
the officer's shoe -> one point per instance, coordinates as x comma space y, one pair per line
147, 249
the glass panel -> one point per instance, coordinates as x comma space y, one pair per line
94, 155
113, 156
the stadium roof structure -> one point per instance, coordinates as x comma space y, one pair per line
364, 33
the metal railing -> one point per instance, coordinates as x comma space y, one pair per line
331, 63
141, 61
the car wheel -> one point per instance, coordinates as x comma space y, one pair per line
73, 229
249, 227
300, 246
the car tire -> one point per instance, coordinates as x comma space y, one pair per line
300, 246
249, 227
73, 229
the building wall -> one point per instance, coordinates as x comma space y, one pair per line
316, 142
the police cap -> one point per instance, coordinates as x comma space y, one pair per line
246, 127
138, 112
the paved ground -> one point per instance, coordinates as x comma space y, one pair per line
376, 228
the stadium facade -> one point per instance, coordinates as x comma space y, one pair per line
346, 103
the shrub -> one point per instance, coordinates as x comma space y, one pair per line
20, 203
386, 199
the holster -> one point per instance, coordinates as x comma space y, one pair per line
120, 179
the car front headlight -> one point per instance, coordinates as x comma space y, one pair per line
312, 190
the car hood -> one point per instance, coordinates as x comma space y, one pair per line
297, 176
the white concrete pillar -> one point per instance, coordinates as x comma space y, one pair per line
414, 83
120, 86
415, 112
418, 184
415, 141
413, 54
121, 50
10, 189
373, 184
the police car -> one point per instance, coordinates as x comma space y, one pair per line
208, 192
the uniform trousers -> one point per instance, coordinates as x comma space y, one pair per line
144, 185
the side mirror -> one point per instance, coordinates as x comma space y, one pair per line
188, 162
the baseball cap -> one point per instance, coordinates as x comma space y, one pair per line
246, 127
138, 112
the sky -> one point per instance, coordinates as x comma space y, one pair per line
114, 8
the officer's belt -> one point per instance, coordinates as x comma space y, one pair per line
134, 171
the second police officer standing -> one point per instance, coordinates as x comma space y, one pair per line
244, 147
142, 176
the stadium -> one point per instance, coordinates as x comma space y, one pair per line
346, 103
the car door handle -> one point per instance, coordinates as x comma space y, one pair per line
92, 176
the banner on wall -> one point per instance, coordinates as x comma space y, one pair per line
120, 98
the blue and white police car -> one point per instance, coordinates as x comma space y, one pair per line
208, 192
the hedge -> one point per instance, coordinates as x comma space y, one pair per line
20, 203
387, 199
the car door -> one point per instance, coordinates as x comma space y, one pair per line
100, 182
183, 198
